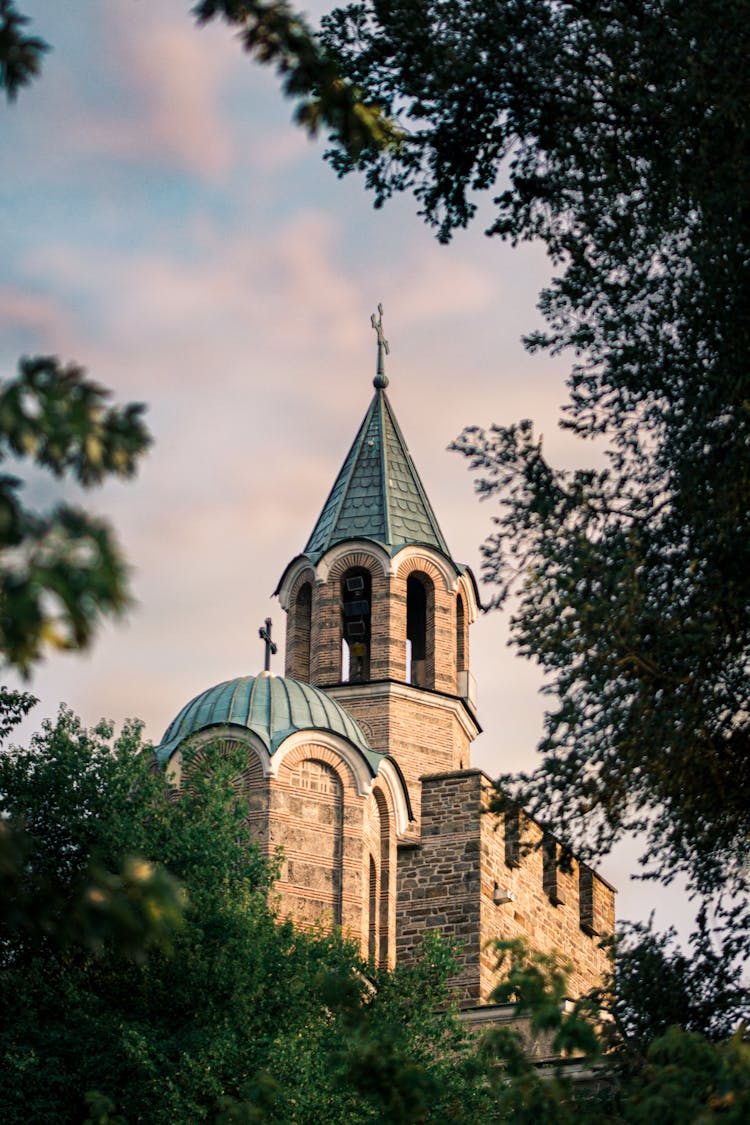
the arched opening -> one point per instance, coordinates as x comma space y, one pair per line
385, 878
372, 934
460, 637
420, 633
356, 606
302, 632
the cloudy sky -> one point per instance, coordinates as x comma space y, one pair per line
167, 227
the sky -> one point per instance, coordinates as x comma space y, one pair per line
165, 225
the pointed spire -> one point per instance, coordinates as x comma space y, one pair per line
378, 494
380, 382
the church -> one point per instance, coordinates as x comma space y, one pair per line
359, 758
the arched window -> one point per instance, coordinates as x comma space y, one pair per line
420, 633
460, 635
302, 632
372, 929
356, 605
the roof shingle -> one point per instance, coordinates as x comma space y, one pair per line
378, 494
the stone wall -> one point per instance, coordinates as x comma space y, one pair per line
338, 850
463, 881
424, 731
438, 878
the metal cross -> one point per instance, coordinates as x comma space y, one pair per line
381, 379
271, 649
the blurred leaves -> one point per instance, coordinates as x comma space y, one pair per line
273, 33
20, 53
60, 570
128, 911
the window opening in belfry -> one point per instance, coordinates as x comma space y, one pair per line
416, 631
303, 629
356, 603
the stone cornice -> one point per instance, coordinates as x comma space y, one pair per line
425, 697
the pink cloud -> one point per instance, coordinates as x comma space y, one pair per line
438, 283
284, 289
38, 322
172, 78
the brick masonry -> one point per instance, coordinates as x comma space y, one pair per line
458, 870
458, 878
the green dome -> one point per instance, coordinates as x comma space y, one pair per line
269, 706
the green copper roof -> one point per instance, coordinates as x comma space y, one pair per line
378, 494
271, 707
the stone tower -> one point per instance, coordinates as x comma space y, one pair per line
378, 611
358, 770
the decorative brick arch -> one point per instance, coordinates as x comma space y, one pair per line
346, 555
293, 752
383, 895
468, 591
200, 753
437, 660
300, 569
318, 820
419, 578
307, 815
259, 760
340, 658
390, 783
333, 750
200, 756
441, 572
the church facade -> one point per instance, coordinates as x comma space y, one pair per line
359, 759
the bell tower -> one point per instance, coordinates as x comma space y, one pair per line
378, 612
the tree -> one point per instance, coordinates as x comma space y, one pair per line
635, 599
243, 1018
20, 53
618, 134
657, 985
60, 570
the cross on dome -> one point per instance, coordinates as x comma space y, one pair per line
271, 648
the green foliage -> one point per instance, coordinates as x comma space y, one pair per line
681, 1077
273, 33
235, 1016
57, 888
537, 984
60, 570
20, 53
688, 1079
656, 985
127, 912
